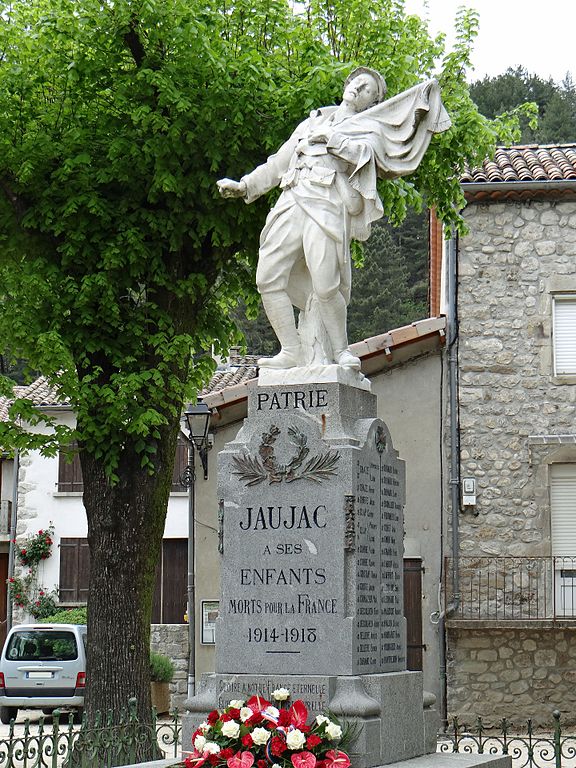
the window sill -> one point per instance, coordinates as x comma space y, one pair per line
564, 379
68, 493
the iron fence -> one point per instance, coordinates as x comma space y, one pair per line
105, 743
527, 748
513, 588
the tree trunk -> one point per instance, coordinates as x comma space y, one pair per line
125, 530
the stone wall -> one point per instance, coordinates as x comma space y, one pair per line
172, 641
516, 418
515, 257
513, 673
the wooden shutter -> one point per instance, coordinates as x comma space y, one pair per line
180, 462
563, 506
564, 319
74, 570
174, 578
69, 473
170, 593
413, 612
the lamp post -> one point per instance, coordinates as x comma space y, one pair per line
195, 424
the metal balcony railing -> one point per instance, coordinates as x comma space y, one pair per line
514, 588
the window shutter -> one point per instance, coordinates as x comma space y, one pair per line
180, 462
74, 570
564, 336
563, 505
69, 473
174, 577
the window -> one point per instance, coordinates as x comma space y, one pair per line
563, 519
70, 472
170, 595
74, 570
564, 334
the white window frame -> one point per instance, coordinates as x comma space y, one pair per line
564, 334
563, 536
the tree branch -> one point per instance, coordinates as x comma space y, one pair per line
132, 40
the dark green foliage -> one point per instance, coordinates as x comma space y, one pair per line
67, 616
385, 293
556, 104
161, 668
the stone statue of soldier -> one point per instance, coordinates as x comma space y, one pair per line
327, 171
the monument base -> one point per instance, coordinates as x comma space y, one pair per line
388, 708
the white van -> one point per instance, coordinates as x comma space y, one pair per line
43, 666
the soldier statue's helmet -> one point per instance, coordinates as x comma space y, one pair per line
378, 78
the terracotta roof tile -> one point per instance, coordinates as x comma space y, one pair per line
526, 163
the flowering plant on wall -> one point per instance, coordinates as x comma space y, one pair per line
36, 548
255, 732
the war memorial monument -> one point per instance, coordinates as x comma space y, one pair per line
312, 490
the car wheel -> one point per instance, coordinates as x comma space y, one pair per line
7, 714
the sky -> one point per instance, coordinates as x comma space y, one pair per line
536, 35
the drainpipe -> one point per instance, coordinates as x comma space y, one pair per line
454, 482
13, 521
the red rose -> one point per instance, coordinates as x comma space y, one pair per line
40, 532
22, 551
313, 740
213, 717
225, 717
270, 725
247, 740
213, 759
234, 713
304, 728
262, 764
284, 718
226, 753
277, 746
254, 720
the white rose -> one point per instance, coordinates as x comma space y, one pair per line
231, 729
236, 703
281, 694
260, 735
204, 727
322, 719
245, 714
211, 748
333, 731
199, 743
295, 739
272, 712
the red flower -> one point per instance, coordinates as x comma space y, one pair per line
41, 593
22, 551
337, 759
234, 713
262, 764
270, 725
284, 718
257, 703
277, 746
303, 760
313, 740
40, 532
213, 759
225, 717
247, 740
213, 717
298, 714
254, 720
226, 753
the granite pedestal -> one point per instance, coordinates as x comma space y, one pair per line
312, 493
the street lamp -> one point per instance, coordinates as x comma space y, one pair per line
196, 422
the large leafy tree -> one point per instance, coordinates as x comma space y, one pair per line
119, 263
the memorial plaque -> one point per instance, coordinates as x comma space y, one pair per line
312, 495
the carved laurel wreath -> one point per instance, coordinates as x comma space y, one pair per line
256, 469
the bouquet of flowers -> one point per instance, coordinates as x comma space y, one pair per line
255, 732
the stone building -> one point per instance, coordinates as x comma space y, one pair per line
511, 571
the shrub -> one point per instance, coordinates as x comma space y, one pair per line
67, 616
161, 668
